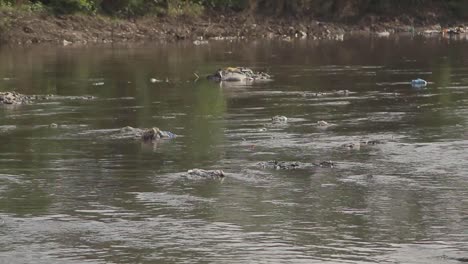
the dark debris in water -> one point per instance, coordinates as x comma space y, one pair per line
280, 165
155, 134
279, 119
207, 174
326, 164
292, 165
371, 142
324, 94
9, 98
147, 135
14, 98
358, 145
238, 74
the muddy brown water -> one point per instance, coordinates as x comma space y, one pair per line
74, 194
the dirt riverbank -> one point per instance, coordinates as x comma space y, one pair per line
31, 28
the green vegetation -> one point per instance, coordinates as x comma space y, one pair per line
297, 8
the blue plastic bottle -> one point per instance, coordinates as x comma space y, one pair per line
418, 82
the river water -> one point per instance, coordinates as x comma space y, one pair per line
79, 194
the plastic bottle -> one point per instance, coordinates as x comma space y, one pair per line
419, 82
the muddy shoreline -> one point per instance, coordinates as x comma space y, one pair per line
30, 28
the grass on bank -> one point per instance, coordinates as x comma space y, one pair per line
295, 8
114, 8
36, 7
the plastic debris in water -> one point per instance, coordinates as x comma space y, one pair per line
238, 74
154, 80
418, 83
279, 119
383, 34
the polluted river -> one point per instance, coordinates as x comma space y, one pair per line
363, 168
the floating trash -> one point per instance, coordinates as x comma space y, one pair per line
154, 80
383, 34
418, 83
213, 174
279, 119
154, 134
200, 42
238, 74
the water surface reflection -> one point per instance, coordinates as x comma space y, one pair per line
73, 193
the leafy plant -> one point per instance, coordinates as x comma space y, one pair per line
5, 4
34, 7
236, 5
73, 6
187, 8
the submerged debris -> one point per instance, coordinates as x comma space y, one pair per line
127, 129
332, 93
371, 142
324, 124
10, 98
211, 174
341, 92
279, 119
238, 74
81, 97
355, 146
358, 145
146, 135
14, 98
155, 134
292, 165
326, 164
280, 165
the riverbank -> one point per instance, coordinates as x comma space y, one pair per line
24, 28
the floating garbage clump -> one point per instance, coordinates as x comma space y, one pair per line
238, 74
